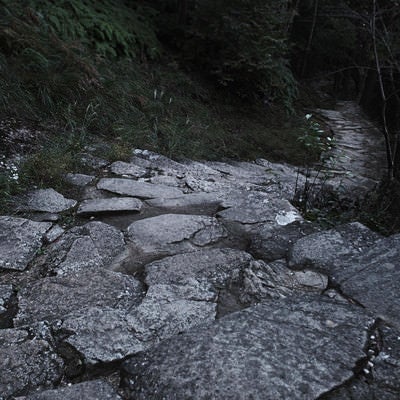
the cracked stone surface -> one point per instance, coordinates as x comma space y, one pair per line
20, 239
94, 244
54, 297
171, 234
254, 353
46, 200
112, 205
26, 363
273, 243
142, 190
90, 390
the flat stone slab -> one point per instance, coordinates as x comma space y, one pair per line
46, 200
55, 297
101, 334
20, 239
26, 363
205, 268
90, 390
130, 169
112, 205
324, 251
171, 234
143, 190
79, 179
188, 201
295, 348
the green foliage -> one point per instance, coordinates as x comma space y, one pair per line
242, 44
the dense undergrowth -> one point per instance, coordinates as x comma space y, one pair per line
85, 71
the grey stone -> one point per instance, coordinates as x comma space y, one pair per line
171, 234
210, 267
92, 161
101, 334
124, 168
295, 348
237, 169
252, 209
324, 251
20, 239
90, 390
263, 281
272, 243
55, 297
206, 202
26, 363
46, 200
114, 204
128, 187
6, 291
158, 161
169, 310
54, 233
79, 179
167, 180
373, 279
93, 244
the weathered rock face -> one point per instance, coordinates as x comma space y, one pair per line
226, 292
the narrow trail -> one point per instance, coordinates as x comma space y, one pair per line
359, 155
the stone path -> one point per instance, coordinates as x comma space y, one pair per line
190, 280
359, 159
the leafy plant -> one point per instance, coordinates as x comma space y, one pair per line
317, 173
